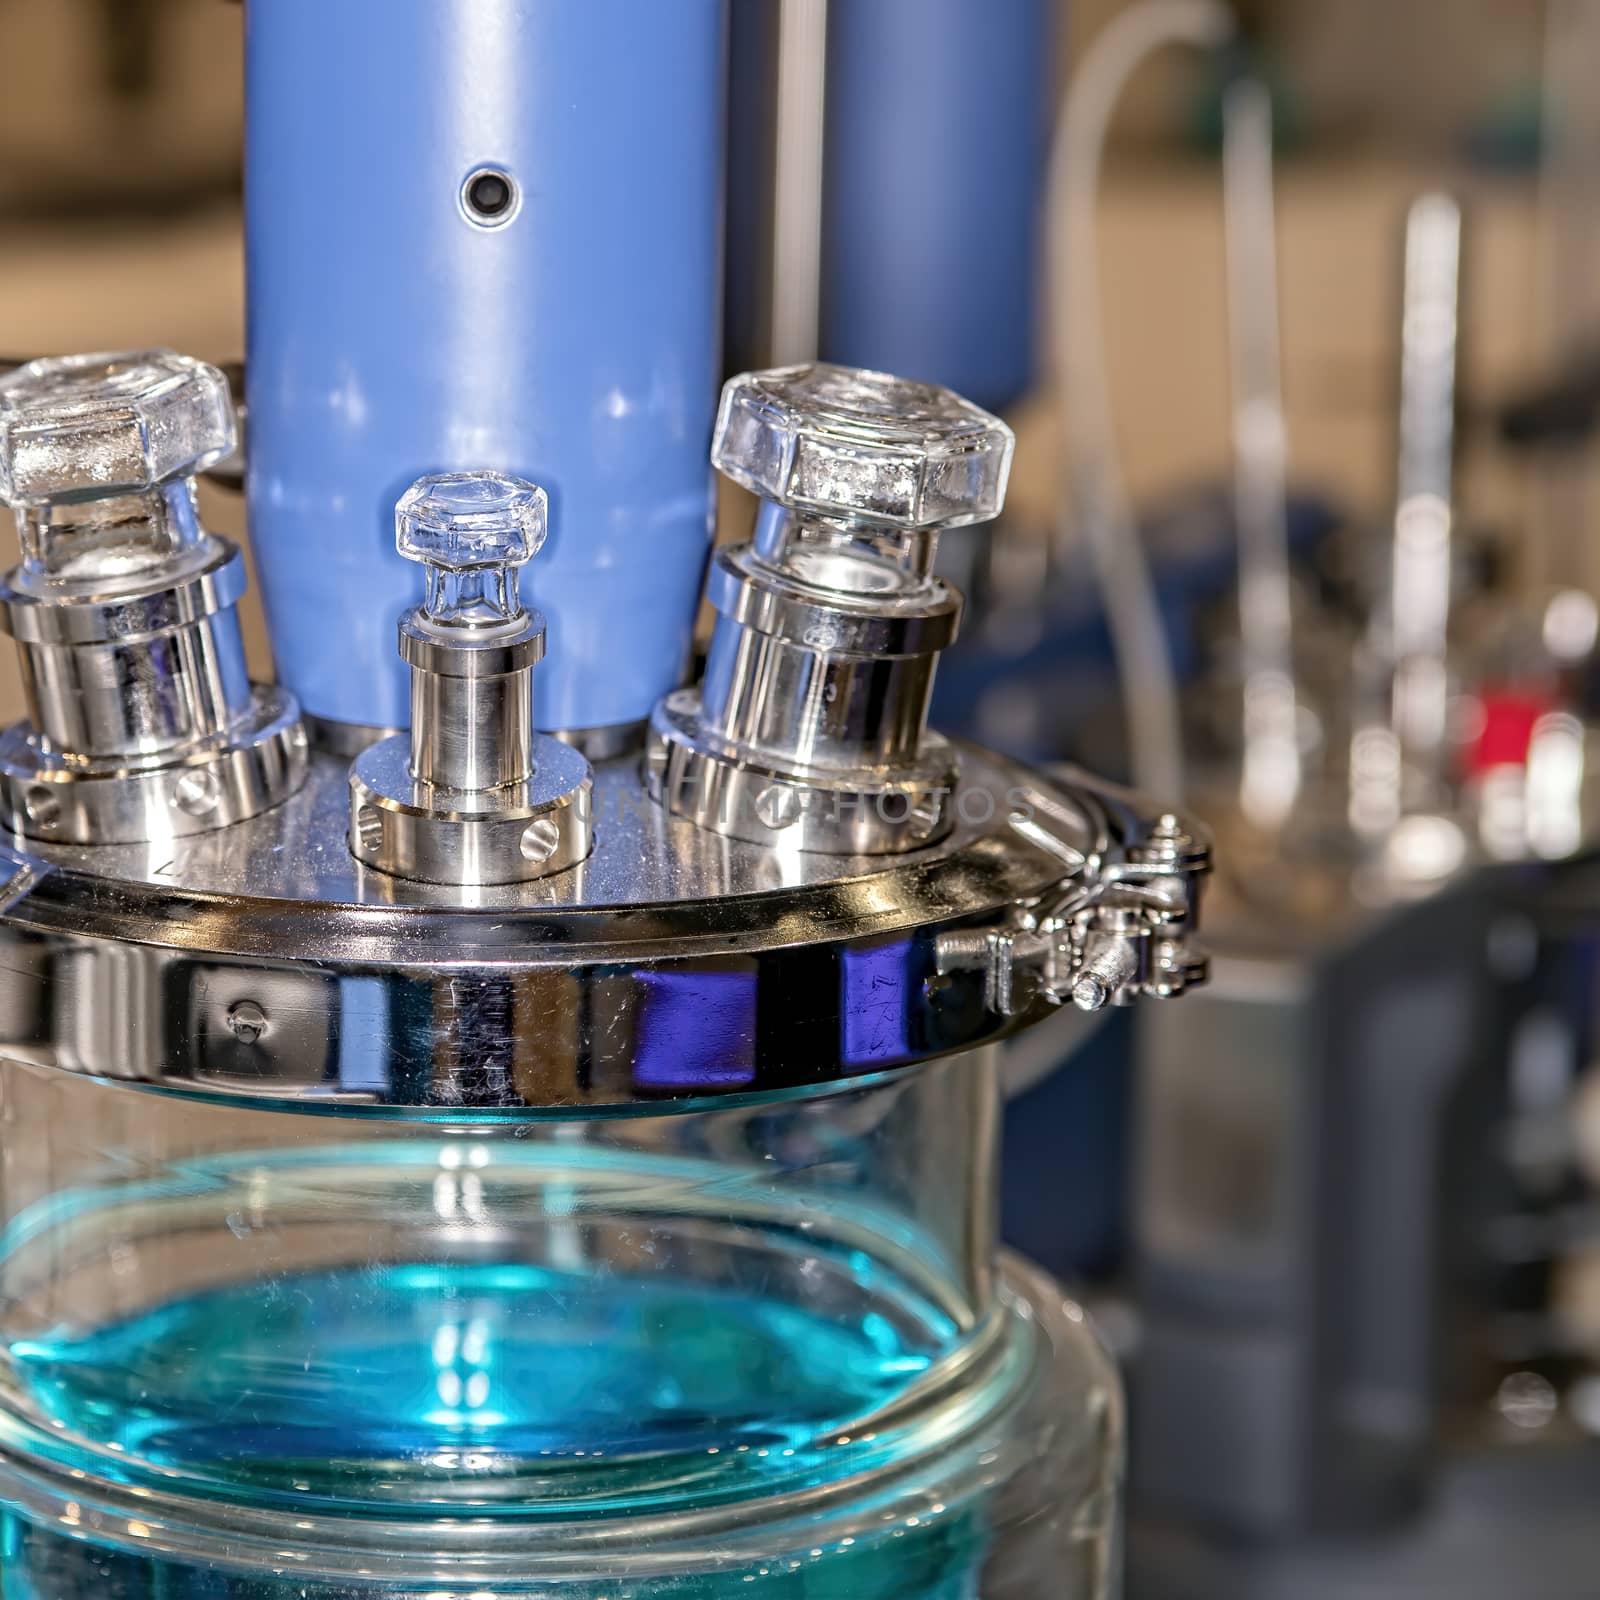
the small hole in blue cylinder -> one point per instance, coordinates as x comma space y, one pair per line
489, 197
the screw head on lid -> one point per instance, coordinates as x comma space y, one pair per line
863, 446
93, 426
472, 530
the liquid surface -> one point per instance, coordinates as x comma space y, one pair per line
455, 1378
596, 1371
333, 1381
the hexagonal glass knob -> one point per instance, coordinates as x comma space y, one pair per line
90, 427
472, 531
863, 447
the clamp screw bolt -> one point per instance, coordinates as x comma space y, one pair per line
779, 806
1110, 962
247, 1022
1089, 993
539, 840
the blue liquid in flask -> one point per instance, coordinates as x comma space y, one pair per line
563, 1335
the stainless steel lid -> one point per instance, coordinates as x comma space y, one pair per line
675, 963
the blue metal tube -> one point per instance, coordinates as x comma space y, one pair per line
573, 340
937, 133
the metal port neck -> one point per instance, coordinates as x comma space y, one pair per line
812, 720
835, 556
455, 652
471, 839
471, 734
471, 700
119, 544
147, 676
471, 797
203, 585
744, 591
143, 723
844, 712
157, 695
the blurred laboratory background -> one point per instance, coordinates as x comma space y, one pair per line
1295, 308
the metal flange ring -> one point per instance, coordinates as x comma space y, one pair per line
255, 766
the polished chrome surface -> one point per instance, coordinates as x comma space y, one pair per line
605, 743
755, 685
246, 768
812, 720
812, 583
746, 792
472, 795
142, 678
142, 719
510, 833
673, 964
347, 739
1107, 937
472, 730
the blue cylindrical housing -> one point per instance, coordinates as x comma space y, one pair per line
937, 133
394, 331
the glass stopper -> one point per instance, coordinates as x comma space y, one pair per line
96, 426
863, 447
472, 531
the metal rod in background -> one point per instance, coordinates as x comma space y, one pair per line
797, 180
1271, 771
1420, 584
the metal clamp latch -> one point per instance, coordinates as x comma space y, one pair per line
1117, 929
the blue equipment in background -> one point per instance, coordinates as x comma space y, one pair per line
937, 134
556, 157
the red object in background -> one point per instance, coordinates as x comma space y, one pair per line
1509, 715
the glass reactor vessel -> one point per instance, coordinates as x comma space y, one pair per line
473, 1171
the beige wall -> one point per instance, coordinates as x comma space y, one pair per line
1339, 233
61, 132
1403, 74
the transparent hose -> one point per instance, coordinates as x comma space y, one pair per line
1097, 500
